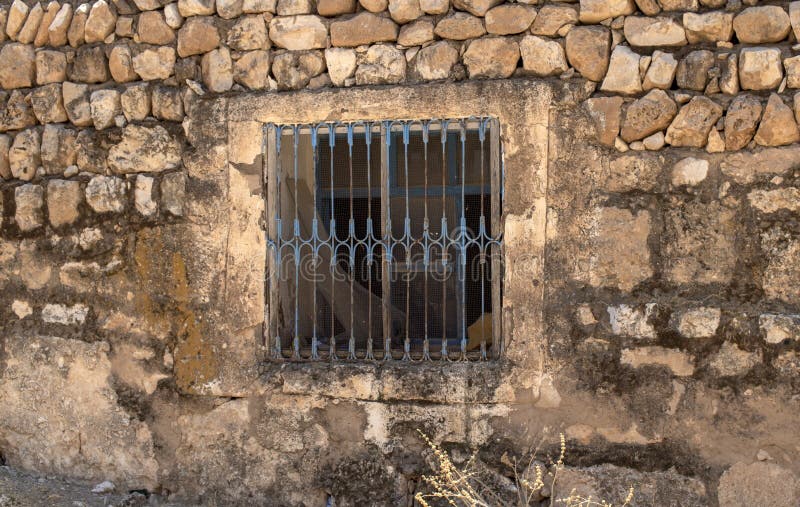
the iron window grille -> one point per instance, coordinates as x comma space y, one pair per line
384, 240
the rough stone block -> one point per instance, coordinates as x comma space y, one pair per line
63, 202
29, 201
107, 194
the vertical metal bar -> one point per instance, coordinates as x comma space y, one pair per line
407, 240
296, 252
497, 249
444, 236
332, 238
370, 235
314, 241
272, 218
462, 254
426, 355
482, 235
386, 136
351, 228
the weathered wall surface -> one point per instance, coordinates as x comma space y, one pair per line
651, 310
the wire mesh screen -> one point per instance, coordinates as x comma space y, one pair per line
384, 240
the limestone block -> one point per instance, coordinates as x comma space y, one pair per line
759, 483
135, 102
57, 31
42, 35
491, 57
778, 126
229, 9
167, 103
757, 25
771, 201
689, 172
729, 78
613, 262
299, 32
330, 8
144, 149
693, 70
100, 23
433, 7
197, 36
249, 33
595, 11
120, 64
510, 19
382, 64
90, 66
106, 194
76, 32
17, 14
294, 7
58, 148
588, 50
28, 32
731, 360
172, 16
794, 18
24, 157
152, 28
648, 115
760, 68
18, 112
48, 104
364, 28
64, 199
51, 67
404, 11
605, 113
173, 193
341, 63
217, 69
708, 27
143, 196
29, 200
623, 72
627, 173
76, 103
476, 7
693, 123
294, 71
259, 6
436, 61
552, 17
741, 121
632, 321
778, 328
680, 5
661, 71
460, 26
91, 152
124, 28
792, 66
5, 145
17, 66
252, 69
678, 362
152, 64
416, 33
653, 32
105, 107
542, 57
196, 7
700, 322
374, 6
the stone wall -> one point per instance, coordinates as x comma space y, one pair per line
652, 301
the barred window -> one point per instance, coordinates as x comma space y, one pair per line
384, 240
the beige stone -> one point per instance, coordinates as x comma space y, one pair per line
120, 64
189, 8
552, 18
382, 64
294, 70
509, 19
229, 9
623, 72
217, 68
678, 362
693, 123
404, 11
794, 18
42, 34
661, 71
460, 26
341, 63
491, 57
778, 126
153, 29
632, 321
24, 156
58, 150
135, 102
708, 27
416, 34
294, 7
17, 14
28, 32
18, 113
653, 32
148, 5
778, 328
757, 25
197, 36
249, 33
760, 483
17, 66
363, 28
605, 113
77, 27
588, 50
48, 104
542, 57
106, 194
299, 32
680, 5
100, 23
595, 11
652, 113
690, 172
792, 66
330, 8
436, 61
611, 261
172, 16
29, 200
51, 67
694, 70
57, 31
760, 68
729, 77
741, 121
153, 64
435, 7
374, 6
771, 201
144, 149
167, 103
90, 65
654, 142
5, 145
731, 360
476, 7
63, 202
105, 107
76, 103
252, 70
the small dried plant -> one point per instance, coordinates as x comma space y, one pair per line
467, 487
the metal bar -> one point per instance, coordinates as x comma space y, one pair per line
272, 218
462, 253
386, 137
370, 235
443, 236
497, 251
407, 238
334, 251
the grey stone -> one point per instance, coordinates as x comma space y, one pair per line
106, 194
